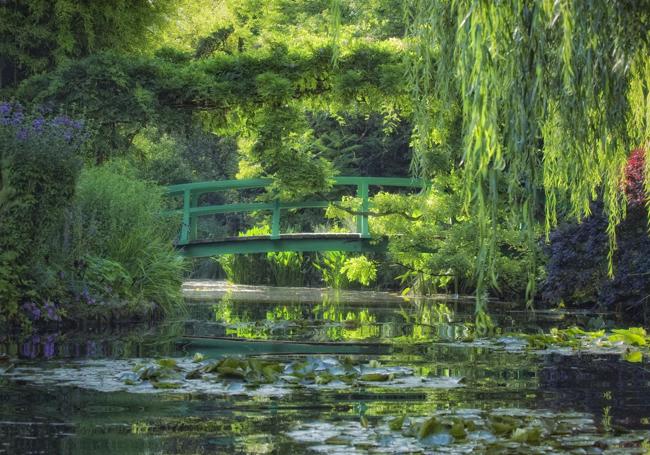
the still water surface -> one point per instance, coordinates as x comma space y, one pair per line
67, 392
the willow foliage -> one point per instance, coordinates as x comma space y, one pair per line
552, 95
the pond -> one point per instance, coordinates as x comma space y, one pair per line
290, 370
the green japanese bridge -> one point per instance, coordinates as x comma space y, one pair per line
191, 246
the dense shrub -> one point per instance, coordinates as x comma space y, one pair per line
38, 171
71, 242
119, 242
577, 266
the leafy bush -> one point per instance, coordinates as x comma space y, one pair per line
577, 266
436, 244
331, 266
360, 269
120, 243
38, 171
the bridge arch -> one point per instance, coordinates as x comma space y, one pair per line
190, 245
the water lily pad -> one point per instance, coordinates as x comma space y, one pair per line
529, 435
633, 356
375, 377
431, 426
396, 424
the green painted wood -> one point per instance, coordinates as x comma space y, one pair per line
219, 185
275, 220
191, 192
222, 185
194, 201
185, 227
362, 220
250, 245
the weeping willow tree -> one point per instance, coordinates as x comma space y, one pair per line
552, 95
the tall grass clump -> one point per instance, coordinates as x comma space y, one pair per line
247, 268
121, 244
286, 268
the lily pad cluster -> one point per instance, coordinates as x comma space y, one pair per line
252, 372
633, 342
466, 431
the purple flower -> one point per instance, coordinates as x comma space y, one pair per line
51, 310
91, 348
5, 108
17, 118
38, 123
32, 310
49, 347
22, 134
67, 135
30, 347
61, 120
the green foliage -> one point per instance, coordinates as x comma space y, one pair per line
259, 95
121, 242
37, 181
331, 268
247, 268
339, 270
286, 268
192, 155
544, 92
37, 34
436, 243
632, 342
360, 269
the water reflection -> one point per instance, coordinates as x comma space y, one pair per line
335, 319
435, 338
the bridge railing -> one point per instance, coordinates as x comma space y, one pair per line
191, 193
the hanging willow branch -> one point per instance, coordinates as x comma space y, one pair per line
545, 93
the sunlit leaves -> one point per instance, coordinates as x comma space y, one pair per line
543, 93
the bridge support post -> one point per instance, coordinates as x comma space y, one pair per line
275, 220
185, 227
193, 223
362, 220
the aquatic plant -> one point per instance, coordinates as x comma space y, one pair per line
286, 268
521, 431
247, 268
235, 373
633, 343
339, 270
330, 265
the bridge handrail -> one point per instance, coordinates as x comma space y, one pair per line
192, 191
224, 185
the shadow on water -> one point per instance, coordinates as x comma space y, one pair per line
601, 398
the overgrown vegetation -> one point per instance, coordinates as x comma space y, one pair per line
519, 114
120, 243
36, 187
75, 244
